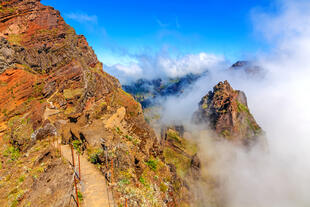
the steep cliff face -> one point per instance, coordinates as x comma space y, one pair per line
225, 110
53, 87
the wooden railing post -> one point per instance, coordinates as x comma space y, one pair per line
72, 153
76, 192
112, 175
79, 166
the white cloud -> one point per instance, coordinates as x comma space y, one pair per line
132, 69
280, 104
82, 17
163, 66
290, 20
192, 63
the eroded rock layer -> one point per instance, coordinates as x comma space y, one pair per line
52, 87
225, 110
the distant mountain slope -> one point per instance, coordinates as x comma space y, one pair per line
146, 91
248, 67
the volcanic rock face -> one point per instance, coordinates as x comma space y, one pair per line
39, 37
225, 111
53, 87
40, 53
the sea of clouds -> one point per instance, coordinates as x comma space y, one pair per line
163, 66
279, 102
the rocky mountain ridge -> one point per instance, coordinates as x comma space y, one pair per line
52, 87
226, 111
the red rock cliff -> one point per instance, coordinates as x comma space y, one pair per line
53, 87
225, 110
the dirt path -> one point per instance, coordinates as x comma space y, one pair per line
94, 187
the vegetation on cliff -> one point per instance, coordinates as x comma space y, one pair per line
52, 87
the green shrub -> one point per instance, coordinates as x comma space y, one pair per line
94, 156
77, 145
117, 129
124, 181
80, 196
204, 106
180, 161
152, 164
142, 180
225, 133
174, 136
12, 153
128, 137
242, 107
21, 178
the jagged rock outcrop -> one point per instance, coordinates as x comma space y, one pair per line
53, 87
225, 111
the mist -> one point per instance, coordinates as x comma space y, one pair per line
279, 100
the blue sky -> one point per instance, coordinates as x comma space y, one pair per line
119, 29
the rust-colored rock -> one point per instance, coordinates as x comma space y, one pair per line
225, 110
53, 87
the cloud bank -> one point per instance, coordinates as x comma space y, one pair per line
280, 104
163, 66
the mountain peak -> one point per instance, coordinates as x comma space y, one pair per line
240, 63
52, 87
225, 110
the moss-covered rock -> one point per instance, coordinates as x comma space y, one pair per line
71, 93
